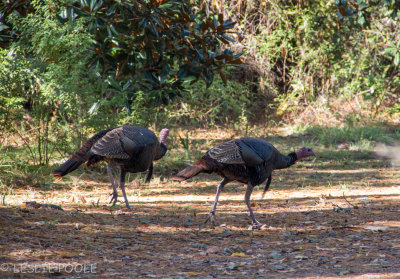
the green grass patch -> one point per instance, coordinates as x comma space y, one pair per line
345, 155
360, 137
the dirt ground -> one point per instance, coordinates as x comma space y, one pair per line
322, 221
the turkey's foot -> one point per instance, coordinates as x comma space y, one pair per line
256, 225
114, 196
128, 206
211, 218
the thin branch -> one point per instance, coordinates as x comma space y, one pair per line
348, 201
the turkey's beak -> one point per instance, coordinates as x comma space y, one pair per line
313, 154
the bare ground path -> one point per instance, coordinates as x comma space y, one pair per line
322, 222
336, 216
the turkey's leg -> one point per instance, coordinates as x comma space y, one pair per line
150, 173
114, 194
249, 190
122, 185
267, 184
211, 216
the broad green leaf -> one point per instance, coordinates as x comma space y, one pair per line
165, 6
93, 108
113, 83
3, 27
389, 50
396, 59
361, 20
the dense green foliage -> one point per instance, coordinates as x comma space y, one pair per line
304, 50
127, 58
360, 9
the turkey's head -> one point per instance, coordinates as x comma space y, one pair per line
163, 136
304, 152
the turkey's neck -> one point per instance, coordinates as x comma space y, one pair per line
161, 151
287, 161
163, 139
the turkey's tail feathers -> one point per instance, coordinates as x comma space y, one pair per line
82, 155
187, 173
266, 186
193, 170
67, 167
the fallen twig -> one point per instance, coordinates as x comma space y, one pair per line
352, 205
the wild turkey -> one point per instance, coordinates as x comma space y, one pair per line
248, 160
132, 148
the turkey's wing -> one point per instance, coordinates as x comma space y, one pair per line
227, 153
249, 155
256, 151
114, 144
235, 152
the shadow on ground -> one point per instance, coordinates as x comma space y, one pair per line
304, 238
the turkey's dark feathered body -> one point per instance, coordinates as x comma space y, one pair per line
133, 148
243, 173
247, 160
